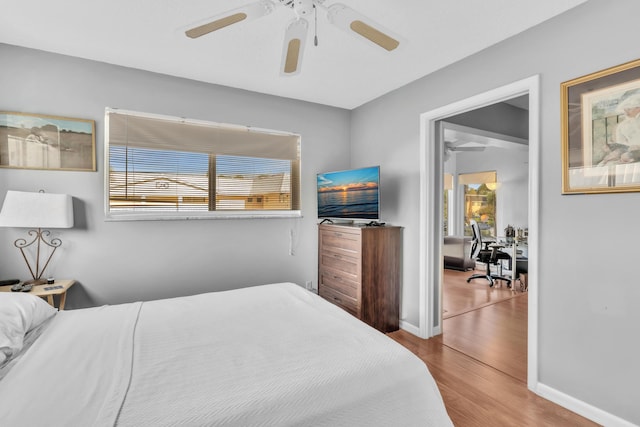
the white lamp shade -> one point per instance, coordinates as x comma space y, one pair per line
36, 210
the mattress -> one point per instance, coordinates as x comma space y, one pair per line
271, 355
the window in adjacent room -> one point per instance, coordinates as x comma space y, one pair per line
446, 196
163, 167
479, 201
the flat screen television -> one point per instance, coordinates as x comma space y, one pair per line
350, 194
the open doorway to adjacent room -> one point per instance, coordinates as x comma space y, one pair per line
493, 179
486, 181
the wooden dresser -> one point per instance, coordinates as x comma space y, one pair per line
359, 271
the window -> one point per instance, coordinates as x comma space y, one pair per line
479, 201
448, 187
167, 167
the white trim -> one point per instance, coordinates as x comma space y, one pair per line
412, 329
167, 216
427, 259
431, 164
105, 179
534, 231
485, 134
579, 407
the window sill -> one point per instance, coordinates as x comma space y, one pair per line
172, 216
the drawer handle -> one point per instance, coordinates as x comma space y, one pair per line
338, 234
336, 299
337, 256
337, 278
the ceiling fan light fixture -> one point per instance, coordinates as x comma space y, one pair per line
247, 12
294, 41
351, 21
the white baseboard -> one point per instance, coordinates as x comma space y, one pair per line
412, 329
581, 408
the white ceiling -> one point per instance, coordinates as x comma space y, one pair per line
343, 70
466, 137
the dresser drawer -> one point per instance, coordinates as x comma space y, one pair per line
336, 261
341, 241
341, 300
340, 282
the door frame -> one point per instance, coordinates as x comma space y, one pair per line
431, 189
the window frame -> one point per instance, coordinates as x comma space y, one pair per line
211, 214
465, 179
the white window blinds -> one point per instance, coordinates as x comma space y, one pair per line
170, 167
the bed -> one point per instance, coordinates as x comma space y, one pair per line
270, 355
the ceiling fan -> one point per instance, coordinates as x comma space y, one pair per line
338, 14
453, 146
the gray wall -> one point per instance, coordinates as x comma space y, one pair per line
126, 261
513, 121
589, 297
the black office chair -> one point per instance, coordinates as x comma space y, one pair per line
488, 255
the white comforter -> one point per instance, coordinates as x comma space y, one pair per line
272, 355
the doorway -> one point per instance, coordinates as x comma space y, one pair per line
431, 209
486, 181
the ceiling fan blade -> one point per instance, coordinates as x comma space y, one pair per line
244, 13
461, 146
294, 42
352, 21
452, 143
469, 149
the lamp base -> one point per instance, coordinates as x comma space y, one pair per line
35, 282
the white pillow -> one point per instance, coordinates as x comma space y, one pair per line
19, 313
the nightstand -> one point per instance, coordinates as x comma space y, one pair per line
59, 287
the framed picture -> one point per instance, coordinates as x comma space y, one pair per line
601, 131
35, 141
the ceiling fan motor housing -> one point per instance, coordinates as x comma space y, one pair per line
300, 7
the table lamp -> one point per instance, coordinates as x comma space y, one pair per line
37, 211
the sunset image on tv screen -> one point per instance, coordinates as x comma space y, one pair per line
349, 194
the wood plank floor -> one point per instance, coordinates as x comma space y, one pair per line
485, 327
477, 395
460, 297
494, 334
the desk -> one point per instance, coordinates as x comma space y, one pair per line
59, 287
512, 250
